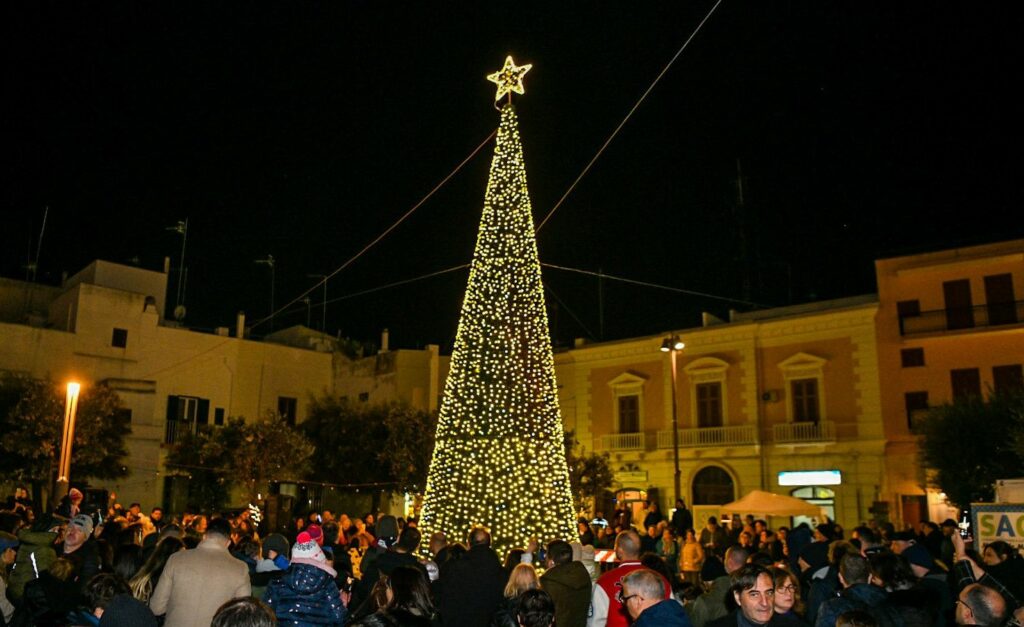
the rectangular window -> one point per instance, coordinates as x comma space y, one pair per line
709, 405
218, 417
912, 357
917, 408
1007, 378
125, 414
119, 339
959, 307
185, 414
629, 414
805, 400
966, 382
286, 408
999, 299
907, 309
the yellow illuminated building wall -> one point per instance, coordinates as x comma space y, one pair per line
949, 323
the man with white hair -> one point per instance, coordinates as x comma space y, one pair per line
642, 595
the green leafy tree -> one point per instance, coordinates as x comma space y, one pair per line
972, 442
387, 443
32, 423
590, 474
240, 455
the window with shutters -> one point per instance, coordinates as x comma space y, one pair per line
805, 386
708, 377
917, 408
1007, 378
805, 400
185, 414
287, 408
628, 402
629, 414
709, 405
965, 382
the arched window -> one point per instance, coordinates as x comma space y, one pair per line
713, 486
816, 495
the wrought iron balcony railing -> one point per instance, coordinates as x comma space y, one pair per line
956, 319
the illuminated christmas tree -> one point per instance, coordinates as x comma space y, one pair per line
499, 459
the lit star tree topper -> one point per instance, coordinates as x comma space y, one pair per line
509, 78
499, 459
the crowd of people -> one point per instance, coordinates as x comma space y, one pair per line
122, 566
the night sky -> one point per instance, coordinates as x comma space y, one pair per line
304, 130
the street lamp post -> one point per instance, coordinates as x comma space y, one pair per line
673, 345
67, 439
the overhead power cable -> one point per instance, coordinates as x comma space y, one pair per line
655, 285
382, 235
628, 115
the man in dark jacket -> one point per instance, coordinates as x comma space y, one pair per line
643, 597
753, 590
80, 548
569, 585
682, 519
402, 553
471, 587
858, 594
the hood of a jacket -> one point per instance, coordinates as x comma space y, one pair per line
869, 594
573, 575
305, 579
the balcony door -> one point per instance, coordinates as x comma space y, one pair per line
999, 299
709, 405
959, 307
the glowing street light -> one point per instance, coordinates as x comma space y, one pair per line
673, 345
70, 410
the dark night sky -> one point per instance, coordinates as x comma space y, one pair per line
303, 130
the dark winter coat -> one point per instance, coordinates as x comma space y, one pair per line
682, 520
46, 601
507, 614
570, 588
471, 588
305, 595
39, 544
668, 613
396, 618
860, 596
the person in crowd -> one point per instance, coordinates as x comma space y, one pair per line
692, 558
71, 505
196, 582
244, 612
407, 601
274, 554
649, 541
682, 518
523, 578
753, 591
307, 593
712, 604
568, 583
80, 548
714, 538
606, 606
856, 618
978, 604
967, 572
127, 561
858, 594
946, 551
387, 535
145, 580
583, 532
470, 587
789, 610
48, 599
667, 548
35, 554
917, 606
868, 540
653, 516
156, 516
931, 577
931, 538
769, 543
642, 595
8, 553
536, 609
824, 578
99, 591
735, 529
438, 547
401, 553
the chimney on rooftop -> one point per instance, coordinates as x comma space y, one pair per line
167, 265
384, 341
240, 325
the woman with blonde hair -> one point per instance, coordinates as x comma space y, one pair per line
691, 558
523, 578
145, 580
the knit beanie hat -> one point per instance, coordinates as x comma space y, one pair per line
275, 542
918, 555
316, 533
75, 494
125, 611
307, 551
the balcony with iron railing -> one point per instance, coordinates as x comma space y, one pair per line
624, 441
804, 432
737, 435
962, 318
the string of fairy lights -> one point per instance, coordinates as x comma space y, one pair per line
499, 458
